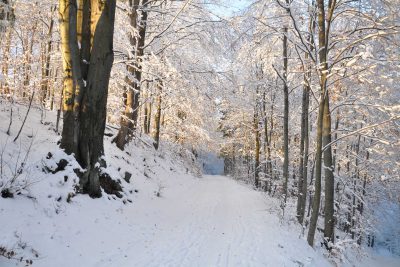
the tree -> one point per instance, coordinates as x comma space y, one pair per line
323, 119
129, 118
286, 111
7, 16
157, 116
86, 76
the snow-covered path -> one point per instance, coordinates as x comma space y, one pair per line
213, 222
208, 221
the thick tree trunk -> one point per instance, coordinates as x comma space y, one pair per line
68, 132
318, 152
329, 179
327, 138
318, 167
94, 101
86, 105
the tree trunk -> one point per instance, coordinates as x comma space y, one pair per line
318, 152
257, 150
86, 102
157, 117
68, 136
318, 166
304, 139
267, 144
145, 115
305, 160
6, 57
147, 111
129, 117
46, 67
285, 116
302, 182
329, 178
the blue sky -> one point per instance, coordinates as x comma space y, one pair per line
229, 7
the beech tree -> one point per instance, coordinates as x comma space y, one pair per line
86, 29
137, 13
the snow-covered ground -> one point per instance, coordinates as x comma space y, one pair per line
166, 216
209, 221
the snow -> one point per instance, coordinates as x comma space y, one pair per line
212, 221
175, 218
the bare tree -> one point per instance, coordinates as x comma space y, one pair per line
86, 82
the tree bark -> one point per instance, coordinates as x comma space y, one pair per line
318, 152
157, 117
6, 57
329, 178
257, 150
86, 101
46, 67
68, 135
285, 116
302, 182
267, 143
304, 139
145, 117
128, 122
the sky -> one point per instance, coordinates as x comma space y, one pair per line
229, 7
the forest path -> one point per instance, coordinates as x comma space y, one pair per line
213, 222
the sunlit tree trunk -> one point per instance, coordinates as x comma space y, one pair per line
68, 133
329, 179
318, 151
128, 122
87, 88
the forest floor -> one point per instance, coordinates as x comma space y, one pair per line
165, 217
